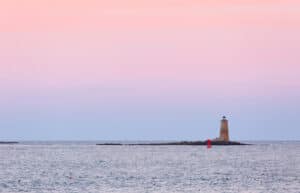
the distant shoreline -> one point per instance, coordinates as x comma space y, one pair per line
139, 142
8, 142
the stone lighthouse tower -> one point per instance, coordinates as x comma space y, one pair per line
224, 130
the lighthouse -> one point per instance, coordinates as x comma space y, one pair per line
224, 130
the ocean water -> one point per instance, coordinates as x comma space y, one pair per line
84, 167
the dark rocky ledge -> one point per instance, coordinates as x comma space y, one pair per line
8, 142
182, 143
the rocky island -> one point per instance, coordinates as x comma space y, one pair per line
223, 139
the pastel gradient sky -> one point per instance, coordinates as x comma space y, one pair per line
159, 69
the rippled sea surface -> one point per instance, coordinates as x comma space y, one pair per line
85, 167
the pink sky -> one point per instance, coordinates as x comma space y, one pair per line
91, 15
156, 69
224, 47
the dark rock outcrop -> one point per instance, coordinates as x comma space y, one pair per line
182, 143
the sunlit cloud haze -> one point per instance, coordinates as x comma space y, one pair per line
160, 69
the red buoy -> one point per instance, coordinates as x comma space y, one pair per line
208, 144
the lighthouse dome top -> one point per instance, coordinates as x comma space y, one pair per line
224, 117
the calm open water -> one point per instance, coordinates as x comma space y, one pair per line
84, 167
